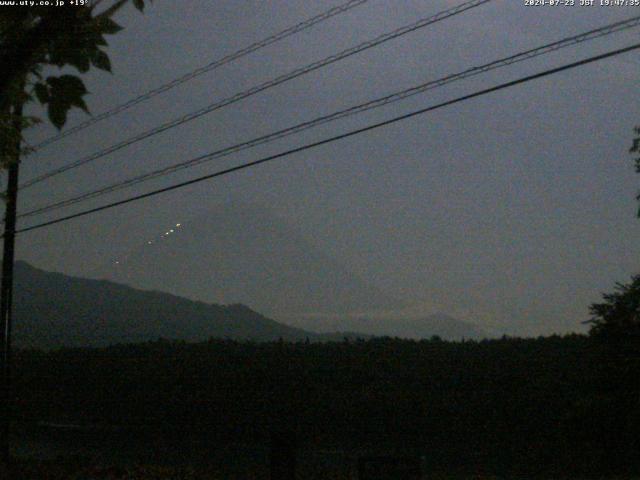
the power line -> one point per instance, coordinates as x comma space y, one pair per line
336, 137
261, 87
401, 95
332, 12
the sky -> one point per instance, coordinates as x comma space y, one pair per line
515, 210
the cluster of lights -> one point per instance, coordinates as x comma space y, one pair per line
167, 233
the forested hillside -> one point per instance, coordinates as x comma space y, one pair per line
54, 310
546, 405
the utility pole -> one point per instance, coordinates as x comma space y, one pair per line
6, 288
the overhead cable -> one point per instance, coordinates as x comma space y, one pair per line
335, 138
259, 88
379, 102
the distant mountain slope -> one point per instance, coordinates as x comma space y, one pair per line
52, 310
442, 325
243, 253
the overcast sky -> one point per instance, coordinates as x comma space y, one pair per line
514, 210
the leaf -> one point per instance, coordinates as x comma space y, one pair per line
57, 114
107, 26
80, 60
101, 60
65, 92
80, 103
139, 4
99, 40
42, 92
69, 86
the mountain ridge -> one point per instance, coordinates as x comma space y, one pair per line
425, 326
55, 310
240, 252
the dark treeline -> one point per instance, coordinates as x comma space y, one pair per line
548, 405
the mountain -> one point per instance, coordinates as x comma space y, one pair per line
53, 310
439, 324
243, 253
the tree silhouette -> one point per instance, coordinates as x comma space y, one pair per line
35, 37
635, 148
32, 38
619, 315
613, 419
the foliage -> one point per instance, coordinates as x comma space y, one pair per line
614, 406
35, 37
619, 314
509, 406
74, 468
635, 148
11, 128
